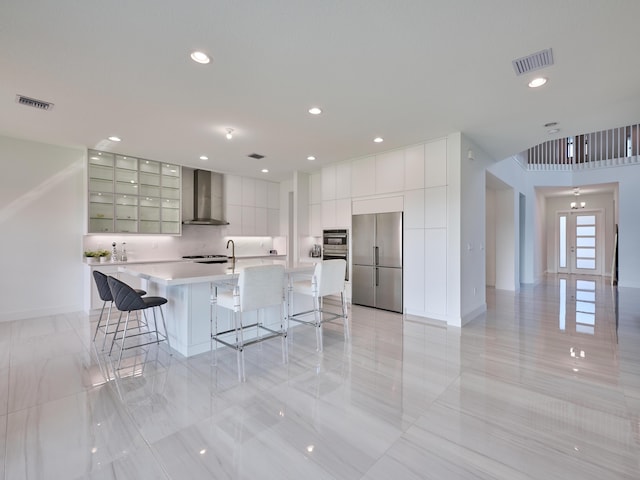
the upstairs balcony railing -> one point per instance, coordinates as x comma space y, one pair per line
607, 148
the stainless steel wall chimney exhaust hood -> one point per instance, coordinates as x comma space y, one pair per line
207, 204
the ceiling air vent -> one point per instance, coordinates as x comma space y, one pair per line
535, 61
32, 102
257, 156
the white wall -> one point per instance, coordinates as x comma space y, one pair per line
42, 205
507, 240
490, 235
473, 165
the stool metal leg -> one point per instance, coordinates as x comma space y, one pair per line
106, 326
115, 334
104, 304
124, 336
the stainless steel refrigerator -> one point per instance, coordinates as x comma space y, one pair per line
377, 260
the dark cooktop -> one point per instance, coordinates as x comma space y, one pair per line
207, 258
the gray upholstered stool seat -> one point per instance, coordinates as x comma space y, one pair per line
105, 295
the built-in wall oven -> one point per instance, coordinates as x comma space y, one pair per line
335, 245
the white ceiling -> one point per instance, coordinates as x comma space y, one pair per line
409, 71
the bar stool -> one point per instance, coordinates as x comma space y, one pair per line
105, 295
258, 287
327, 279
128, 300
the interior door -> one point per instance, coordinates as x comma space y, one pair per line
580, 244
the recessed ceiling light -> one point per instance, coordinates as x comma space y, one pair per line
265, 170
115, 139
378, 139
311, 157
315, 111
204, 157
537, 82
550, 124
229, 134
200, 57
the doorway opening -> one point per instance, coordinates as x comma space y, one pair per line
579, 242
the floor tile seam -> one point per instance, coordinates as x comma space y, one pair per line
549, 393
39, 404
549, 377
543, 441
471, 468
517, 426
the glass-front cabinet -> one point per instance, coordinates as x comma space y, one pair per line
132, 195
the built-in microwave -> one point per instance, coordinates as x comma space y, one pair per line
335, 238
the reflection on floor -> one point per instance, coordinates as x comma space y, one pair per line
545, 385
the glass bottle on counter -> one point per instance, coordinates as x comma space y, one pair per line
123, 253
114, 252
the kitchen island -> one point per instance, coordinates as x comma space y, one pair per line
189, 287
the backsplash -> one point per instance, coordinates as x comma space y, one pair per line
195, 240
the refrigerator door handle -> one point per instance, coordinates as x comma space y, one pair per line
376, 255
377, 277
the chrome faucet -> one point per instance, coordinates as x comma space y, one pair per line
233, 250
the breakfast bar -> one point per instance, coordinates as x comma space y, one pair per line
189, 287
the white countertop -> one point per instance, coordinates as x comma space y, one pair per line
182, 273
175, 260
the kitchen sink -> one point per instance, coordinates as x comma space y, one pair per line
206, 258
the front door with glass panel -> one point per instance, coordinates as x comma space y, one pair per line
579, 242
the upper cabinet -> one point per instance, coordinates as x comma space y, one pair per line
131, 195
390, 172
252, 206
363, 177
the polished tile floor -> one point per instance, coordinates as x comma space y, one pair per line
546, 385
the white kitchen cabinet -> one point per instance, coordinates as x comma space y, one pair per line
232, 190
343, 213
273, 195
413, 271
390, 172
234, 217
315, 220
435, 207
414, 208
435, 265
273, 222
334, 214
329, 214
343, 180
328, 186
252, 206
435, 163
248, 192
262, 194
262, 222
363, 177
315, 190
414, 167
248, 220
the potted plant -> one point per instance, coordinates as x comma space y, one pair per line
93, 256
